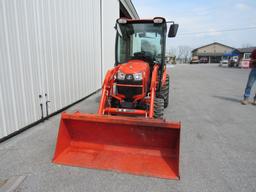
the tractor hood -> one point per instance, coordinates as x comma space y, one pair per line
135, 66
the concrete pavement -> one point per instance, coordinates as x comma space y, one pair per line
218, 148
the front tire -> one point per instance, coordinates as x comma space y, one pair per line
164, 92
158, 108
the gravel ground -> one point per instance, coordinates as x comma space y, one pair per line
218, 148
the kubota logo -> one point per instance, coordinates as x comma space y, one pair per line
129, 77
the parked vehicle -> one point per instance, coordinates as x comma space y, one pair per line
203, 60
233, 62
224, 61
245, 61
194, 60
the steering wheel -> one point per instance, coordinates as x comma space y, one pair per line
144, 55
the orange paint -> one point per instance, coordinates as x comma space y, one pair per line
137, 146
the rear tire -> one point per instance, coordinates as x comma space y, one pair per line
164, 92
158, 108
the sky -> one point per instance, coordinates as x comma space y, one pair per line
202, 22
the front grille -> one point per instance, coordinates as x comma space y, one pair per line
129, 92
128, 82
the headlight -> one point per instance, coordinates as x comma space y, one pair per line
120, 75
137, 76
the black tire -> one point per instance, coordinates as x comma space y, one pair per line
158, 108
164, 92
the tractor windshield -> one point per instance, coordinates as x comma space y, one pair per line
137, 38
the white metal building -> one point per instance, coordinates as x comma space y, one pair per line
53, 50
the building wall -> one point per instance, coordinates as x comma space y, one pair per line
214, 49
58, 49
110, 12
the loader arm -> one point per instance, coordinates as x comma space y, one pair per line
153, 90
106, 88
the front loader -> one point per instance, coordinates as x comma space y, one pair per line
128, 134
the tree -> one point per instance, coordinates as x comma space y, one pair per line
184, 53
246, 45
172, 52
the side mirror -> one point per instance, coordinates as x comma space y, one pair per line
173, 30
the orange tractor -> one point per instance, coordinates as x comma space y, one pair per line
128, 134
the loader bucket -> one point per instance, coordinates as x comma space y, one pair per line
138, 146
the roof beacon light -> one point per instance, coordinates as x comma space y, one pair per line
122, 21
158, 20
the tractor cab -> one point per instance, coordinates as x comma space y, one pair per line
142, 39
